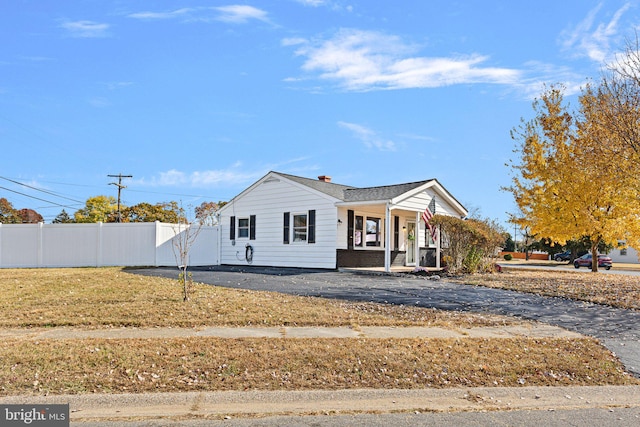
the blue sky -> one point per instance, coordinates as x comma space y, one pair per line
199, 99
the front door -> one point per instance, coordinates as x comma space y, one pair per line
411, 244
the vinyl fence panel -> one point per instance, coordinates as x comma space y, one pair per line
98, 244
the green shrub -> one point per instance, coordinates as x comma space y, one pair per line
508, 257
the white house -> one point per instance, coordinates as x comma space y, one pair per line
290, 221
624, 255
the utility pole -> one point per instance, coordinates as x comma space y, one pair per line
120, 187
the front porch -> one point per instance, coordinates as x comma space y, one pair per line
385, 236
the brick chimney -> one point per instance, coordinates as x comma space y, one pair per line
324, 178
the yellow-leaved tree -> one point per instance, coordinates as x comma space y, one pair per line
575, 177
97, 209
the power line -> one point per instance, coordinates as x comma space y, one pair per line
39, 189
36, 198
134, 191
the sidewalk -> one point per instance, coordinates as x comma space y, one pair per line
525, 330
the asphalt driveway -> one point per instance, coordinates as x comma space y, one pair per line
618, 329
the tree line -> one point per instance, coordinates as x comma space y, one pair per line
105, 209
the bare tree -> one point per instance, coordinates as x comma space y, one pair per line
185, 235
620, 89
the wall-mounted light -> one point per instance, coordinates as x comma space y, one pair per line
404, 228
339, 221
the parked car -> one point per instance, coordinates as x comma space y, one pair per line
562, 256
585, 261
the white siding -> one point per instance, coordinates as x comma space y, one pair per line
342, 229
419, 201
630, 256
268, 201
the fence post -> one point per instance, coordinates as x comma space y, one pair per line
40, 245
157, 244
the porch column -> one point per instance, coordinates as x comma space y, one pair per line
387, 239
438, 240
416, 247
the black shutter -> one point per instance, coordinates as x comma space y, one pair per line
252, 227
232, 228
285, 239
396, 232
311, 237
350, 223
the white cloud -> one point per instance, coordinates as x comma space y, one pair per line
313, 3
233, 14
231, 176
293, 41
366, 60
592, 39
548, 74
368, 137
86, 29
162, 15
240, 14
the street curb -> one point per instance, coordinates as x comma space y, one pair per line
231, 404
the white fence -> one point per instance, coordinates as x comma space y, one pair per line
99, 244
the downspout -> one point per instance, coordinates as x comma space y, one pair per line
387, 238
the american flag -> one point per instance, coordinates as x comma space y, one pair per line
426, 217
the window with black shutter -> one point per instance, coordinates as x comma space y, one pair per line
350, 224
311, 237
232, 228
285, 237
396, 232
252, 227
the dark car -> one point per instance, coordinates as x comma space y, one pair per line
562, 256
585, 261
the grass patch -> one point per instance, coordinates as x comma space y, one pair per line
103, 297
210, 364
106, 297
614, 290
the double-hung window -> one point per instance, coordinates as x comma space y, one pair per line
299, 227
243, 228
373, 232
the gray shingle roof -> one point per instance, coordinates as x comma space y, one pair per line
333, 190
353, 194
386, 192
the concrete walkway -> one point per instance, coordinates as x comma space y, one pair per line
527, 330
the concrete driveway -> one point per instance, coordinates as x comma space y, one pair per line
618, 329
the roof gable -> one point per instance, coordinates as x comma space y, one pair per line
348, 194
